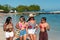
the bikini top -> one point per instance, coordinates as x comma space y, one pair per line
31, 26
20, 25
42, 27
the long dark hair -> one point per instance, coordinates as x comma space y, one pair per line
22, 17
8, 20
31, 18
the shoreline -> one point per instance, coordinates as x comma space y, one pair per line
27, 13
3, 14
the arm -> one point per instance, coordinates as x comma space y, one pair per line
4, 27
48, 27
17, 25
13, 30
27, 27
37, 26
13, 27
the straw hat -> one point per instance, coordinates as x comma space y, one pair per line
31, 15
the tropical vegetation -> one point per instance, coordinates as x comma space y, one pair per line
20, 8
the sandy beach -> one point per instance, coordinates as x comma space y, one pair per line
2, 35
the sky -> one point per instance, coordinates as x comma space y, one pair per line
44, 4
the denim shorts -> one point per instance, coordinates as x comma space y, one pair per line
23, 32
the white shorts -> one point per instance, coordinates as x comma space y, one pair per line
31, 31
9, 34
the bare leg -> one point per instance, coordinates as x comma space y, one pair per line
7, 38
34, 36
25, 36
11, 38
28, 35
20, 38
31, 37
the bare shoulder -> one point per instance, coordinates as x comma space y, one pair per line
12, 24
26, 23
39, 23
4, 24
34, 20
17, 23
47, 24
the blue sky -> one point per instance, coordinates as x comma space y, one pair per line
45, 4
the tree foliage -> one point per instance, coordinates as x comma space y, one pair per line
5, 8
1, 7
20, 8
34, 8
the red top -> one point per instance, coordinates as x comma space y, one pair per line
42, 27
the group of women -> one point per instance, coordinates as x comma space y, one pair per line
27, 29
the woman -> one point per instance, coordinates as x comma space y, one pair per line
32, 28
44, 26
22, 26
8, 28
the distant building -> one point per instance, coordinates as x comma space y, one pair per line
11, 11
1, 11
15, 11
